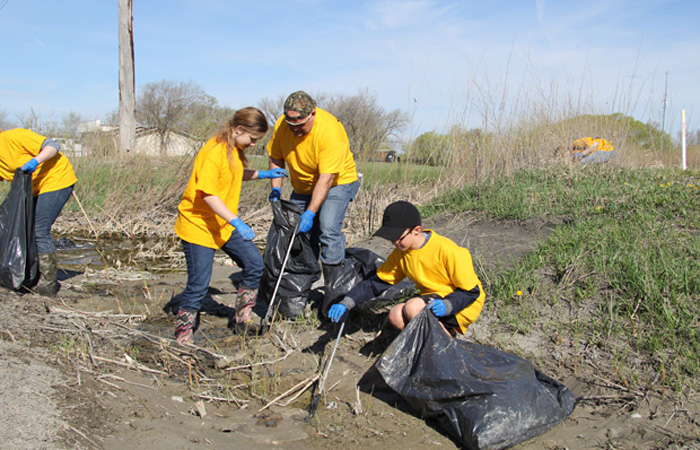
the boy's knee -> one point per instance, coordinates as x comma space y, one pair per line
396, 318
413, 307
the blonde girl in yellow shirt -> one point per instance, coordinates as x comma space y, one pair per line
208, 220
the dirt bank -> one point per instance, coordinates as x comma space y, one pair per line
96, 368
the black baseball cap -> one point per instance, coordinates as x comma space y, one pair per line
397, 217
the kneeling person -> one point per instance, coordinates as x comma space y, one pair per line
442, 271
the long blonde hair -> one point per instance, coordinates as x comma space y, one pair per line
251, 119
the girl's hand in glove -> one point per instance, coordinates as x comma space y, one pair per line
246, 232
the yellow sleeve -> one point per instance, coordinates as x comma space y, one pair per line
390, 271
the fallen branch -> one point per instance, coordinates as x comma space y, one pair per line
9, 334
130, 365
235, 400
308, 382
148, 336
108, 375
312, 380
261, 363
75, 430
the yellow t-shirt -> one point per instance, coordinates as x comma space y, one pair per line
324, 149
584, 143
18, 146
439, 267
212, 174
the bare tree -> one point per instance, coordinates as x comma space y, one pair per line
368, 125
70, 124
127, 122
4, 123
170, 106
272, 107
34, 121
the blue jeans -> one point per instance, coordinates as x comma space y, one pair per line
596, 157
199, 268
327, 231
47, 207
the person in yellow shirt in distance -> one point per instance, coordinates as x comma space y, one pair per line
208, 220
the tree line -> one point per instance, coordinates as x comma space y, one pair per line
184, 107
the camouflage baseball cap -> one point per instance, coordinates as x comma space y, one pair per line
300, 102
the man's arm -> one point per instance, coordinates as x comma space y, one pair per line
323, 185
276, 164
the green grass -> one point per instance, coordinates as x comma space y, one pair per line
628, 245
377, 174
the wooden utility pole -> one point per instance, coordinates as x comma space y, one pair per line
127, 94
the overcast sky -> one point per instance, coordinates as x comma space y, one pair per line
440, 61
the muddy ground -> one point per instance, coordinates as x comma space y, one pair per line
96, 367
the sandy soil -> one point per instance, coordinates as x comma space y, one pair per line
96, 367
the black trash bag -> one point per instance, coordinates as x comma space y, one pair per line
19, 259
359, 264
302, 269
484, 398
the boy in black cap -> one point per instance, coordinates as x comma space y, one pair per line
442, 271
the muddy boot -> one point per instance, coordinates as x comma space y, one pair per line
186, 324
47, 284
244, 320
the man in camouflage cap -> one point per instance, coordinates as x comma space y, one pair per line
301, 103
313, 145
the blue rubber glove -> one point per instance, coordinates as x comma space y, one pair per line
30, 166
438, 307
275, 194
307, 221
336, 312
272, 173
246, 232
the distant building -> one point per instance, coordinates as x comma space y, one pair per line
96, 137
175, 143
93, 126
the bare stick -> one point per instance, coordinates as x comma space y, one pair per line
261, 363
301, 391
84, 213
75, 430
9, 334
227, 400
132, 365
308, 381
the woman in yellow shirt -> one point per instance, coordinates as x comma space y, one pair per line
208, 220
52, 181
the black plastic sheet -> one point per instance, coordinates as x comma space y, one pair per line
483, 397
359, 264
302, 269
19, 260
